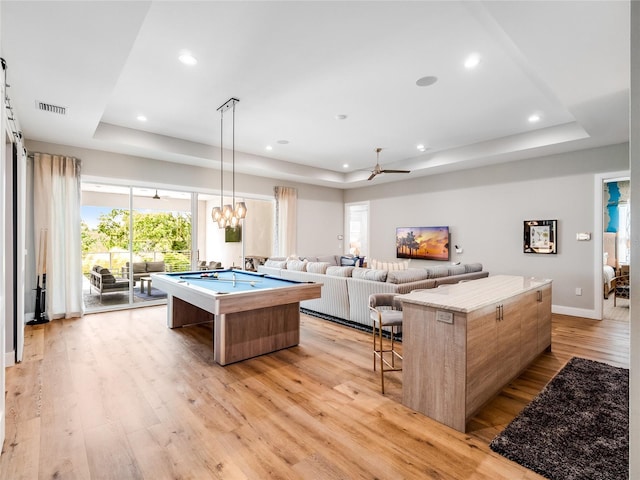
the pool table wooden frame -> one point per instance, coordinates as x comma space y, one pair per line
246, 323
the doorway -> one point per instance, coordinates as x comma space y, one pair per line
614, 229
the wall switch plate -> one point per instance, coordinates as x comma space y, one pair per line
583, 237
578, 291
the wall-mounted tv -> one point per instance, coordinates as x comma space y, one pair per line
422, 243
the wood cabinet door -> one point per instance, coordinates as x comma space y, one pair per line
509, 340
544, 319
482, 356
529, 328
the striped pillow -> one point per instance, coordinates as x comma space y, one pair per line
369, 274
317, 267
381, 265
406, 276
339, 271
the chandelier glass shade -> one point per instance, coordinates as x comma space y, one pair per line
232, 213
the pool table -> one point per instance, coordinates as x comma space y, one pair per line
252, 313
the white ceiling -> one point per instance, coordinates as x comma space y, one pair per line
295, 66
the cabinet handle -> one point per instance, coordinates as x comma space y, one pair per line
501, 312
498, 313
539, 295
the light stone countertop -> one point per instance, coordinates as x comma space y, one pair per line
469, 296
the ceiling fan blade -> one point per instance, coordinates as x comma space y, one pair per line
373, 174
395, 171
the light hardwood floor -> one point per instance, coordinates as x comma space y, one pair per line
120, 396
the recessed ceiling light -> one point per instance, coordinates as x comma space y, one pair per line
283, 142
534, 118
141, 118
421, 147
187, 58
269, 147
341, 116
472, 61
346, 165
426, 81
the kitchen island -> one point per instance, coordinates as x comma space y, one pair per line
463, 343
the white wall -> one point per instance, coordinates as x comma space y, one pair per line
485, 209
320, 209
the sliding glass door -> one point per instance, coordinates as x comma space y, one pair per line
129, 233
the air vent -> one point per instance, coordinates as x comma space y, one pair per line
47, 107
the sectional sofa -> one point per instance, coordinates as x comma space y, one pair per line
346, 289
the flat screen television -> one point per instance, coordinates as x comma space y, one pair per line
422, 243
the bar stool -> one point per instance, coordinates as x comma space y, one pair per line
385, 312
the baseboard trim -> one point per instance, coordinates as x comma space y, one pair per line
10, 358
576, 312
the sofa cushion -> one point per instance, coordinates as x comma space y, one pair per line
437, 272
139, 267
406, 276
456, 270
152, 267
297, 265
369, 274
309, 259
108, 278
472, 267
383, 265
103, 271
336, 271
96, 268
276, 263
317, 267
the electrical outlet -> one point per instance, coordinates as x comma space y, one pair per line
578, 291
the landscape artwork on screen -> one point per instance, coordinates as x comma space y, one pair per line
422, 243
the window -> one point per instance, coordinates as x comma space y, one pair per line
357, 228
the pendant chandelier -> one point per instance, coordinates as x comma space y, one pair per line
228, 215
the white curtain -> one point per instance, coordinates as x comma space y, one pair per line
286, 221
56, 201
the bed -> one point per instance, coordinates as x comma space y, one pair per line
609, 261
608, 274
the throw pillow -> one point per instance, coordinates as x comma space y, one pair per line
318, 267
153, 267
406, 276
456, 270
382, 265
472, 267
297, 265
437, 272
275, 263
339, 271
104, 271
369, 274
108, 278
348, 261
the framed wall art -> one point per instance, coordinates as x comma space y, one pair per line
540, 236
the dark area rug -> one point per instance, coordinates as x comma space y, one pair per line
576, 428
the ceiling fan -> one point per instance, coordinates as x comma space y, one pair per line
377, 170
